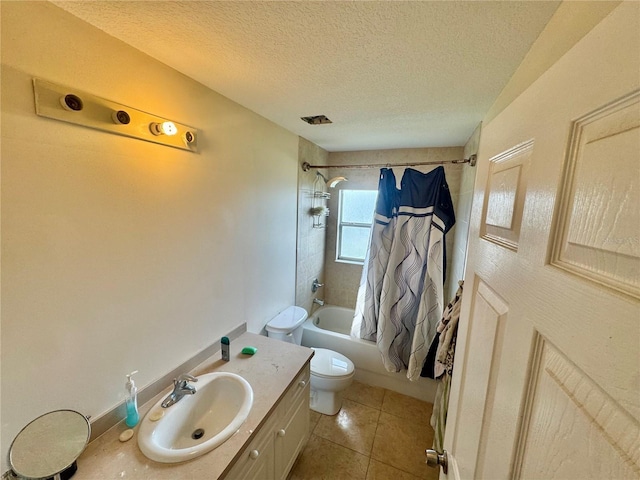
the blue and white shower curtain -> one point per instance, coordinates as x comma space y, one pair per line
400, 299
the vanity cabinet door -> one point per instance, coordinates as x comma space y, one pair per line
262, 467
271, 454
257, 461
292, 435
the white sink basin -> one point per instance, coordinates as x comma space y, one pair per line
197, 423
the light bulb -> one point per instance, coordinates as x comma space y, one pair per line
164, 128
169, 128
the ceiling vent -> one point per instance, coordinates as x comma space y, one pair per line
316, 120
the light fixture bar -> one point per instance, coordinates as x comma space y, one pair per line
81, 108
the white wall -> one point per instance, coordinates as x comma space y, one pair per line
120, 254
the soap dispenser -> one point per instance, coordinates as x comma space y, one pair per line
131, 401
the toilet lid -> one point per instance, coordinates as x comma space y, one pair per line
327, 363
287, 320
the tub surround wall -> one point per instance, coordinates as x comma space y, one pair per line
311, 241
120, 254
343, 279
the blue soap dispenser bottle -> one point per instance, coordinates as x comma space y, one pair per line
131, 401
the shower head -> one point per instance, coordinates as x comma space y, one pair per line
331, 183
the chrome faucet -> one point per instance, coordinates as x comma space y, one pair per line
318, 301
180, 389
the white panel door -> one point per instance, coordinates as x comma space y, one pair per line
547, 373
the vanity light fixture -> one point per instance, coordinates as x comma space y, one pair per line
71, 102
120, 117
164, 128
189, 137
71, 105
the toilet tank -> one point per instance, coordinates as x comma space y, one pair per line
287, 325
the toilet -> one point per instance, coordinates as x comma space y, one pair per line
331, 372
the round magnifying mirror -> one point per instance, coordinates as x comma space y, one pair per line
50, 445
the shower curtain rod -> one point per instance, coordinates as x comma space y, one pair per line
471, 161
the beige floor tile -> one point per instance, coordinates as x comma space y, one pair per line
324, 460
406, 407
353, 427
365, 394
314, 418
401, 443
380, 471
433, 474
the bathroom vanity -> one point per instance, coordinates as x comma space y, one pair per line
264, 448
275, 447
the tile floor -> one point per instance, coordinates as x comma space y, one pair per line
377, 435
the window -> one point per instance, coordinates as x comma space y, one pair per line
355, 217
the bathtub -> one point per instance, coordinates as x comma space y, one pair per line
330, 326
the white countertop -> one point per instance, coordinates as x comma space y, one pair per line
269, 372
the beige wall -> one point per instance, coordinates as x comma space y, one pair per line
311, 240
343, 279
119, 254
460, 235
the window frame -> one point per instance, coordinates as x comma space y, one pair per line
340, 224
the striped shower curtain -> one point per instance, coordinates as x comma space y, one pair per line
400, 299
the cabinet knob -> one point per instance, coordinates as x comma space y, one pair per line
302, 383
254, 454
282, 432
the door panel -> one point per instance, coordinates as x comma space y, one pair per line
565, 403
506, 191
489, 314
547, 376
598, 228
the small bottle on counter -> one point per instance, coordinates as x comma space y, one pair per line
225, 348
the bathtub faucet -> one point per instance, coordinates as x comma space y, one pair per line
316, 285
318, 301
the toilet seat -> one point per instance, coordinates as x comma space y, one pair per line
329, 364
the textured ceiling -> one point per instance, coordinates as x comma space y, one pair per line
389, 74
